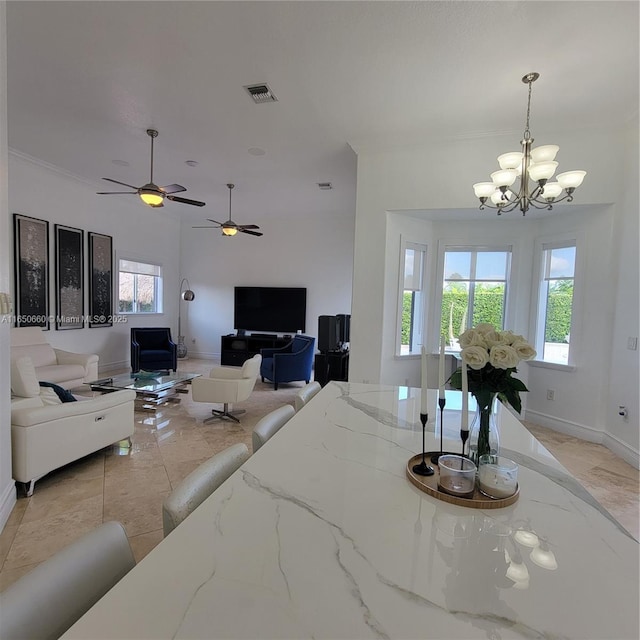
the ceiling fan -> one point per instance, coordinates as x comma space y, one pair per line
230, 228
150, 193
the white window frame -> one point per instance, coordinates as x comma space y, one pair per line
538, 303
420, 311
159, 289
446, 247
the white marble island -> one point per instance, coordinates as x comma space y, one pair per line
321, 535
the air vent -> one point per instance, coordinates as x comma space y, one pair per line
260, 93
325, 186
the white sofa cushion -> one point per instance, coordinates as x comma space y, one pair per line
64, 373
24, 382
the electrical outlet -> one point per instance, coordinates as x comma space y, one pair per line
551, 394
632, 343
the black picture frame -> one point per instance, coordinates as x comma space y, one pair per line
69, 263
31, 271
100, 280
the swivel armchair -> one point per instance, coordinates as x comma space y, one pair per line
289, 363
153, 349
227, 385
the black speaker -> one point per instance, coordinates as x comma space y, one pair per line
327, 333
344, 325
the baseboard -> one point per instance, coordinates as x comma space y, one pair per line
615, 445
7, 502
110, 367
622, 449
565, 426
203, 355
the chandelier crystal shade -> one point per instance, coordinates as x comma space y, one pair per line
534, 167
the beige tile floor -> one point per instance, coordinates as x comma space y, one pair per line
130, 485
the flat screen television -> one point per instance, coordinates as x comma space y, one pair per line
275, 309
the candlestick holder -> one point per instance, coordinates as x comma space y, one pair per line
464, 436
423, 469
441, 403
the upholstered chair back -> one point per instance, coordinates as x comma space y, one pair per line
200, 484
269, 425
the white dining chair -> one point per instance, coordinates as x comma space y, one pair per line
200, 484
271, 423
47, 601
306, 393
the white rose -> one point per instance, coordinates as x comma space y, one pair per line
495, 338
475, 356
484, 327
524, 350
503, 357
471, 338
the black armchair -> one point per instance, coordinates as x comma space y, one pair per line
152, 349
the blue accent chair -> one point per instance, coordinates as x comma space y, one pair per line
152, 349
289, 363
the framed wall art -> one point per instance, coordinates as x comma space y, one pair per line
69, 277
100, 280
31, 272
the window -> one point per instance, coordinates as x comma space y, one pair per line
555, 302
140, 287
412, 297
474, 290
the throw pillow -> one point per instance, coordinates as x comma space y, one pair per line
24, 382
49, 396
63, 394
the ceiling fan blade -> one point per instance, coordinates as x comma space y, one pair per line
251, 233
248, 226
172, 188
116, 193
210, 220
205, 227
124, 184
195, 203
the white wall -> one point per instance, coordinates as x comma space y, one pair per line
439, 177
316, 254
624, 382
44, 192
7, 487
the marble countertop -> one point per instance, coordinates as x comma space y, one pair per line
321, 535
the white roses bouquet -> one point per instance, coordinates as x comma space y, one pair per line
492, 357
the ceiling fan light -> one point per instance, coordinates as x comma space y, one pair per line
545, 153
510, 160
484, 189
571, 179
229, 231
542, 170
151, 198
504, 177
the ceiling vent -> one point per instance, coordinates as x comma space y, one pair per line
325, 186
260, 93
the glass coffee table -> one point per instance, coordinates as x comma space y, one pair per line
153, 388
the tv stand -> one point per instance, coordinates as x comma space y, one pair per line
235, 350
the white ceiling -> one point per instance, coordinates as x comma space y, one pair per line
86, 79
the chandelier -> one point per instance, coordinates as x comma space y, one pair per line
537, 165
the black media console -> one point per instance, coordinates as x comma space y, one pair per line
236, 349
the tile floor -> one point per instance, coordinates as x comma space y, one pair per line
130, 485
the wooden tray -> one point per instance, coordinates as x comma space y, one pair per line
429, 484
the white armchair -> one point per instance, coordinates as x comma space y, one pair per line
227, 385
64, 368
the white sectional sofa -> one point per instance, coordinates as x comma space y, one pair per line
64, 368
47, 434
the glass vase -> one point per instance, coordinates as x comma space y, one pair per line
484, 437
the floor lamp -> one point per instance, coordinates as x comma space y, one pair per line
187, 295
